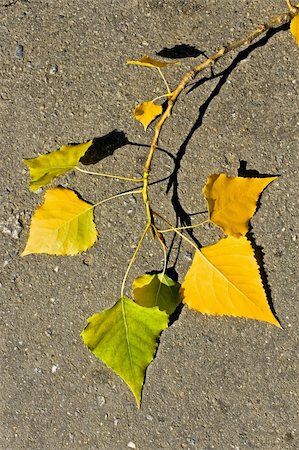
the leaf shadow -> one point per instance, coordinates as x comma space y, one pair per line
180, 51
183, 218
259, 256
258, 250
104, 146
251, 173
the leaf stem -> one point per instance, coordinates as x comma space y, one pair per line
121, 194
164, 79
184, 228
175, 230
291, 7
108, 175
148, 226
162, 96
163, 272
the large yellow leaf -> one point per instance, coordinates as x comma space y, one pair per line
294, 28
147, 61
63, 225
146, 112
224, 279
125, 338
232, 201
46, 167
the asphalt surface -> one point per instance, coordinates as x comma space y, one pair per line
216, 383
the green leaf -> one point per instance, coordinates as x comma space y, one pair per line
62, 225
45, 168
125, 337
157, 290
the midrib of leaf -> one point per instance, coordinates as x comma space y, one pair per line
220, 211
127, 335
58, 168
67, 222
158, 292
228, 281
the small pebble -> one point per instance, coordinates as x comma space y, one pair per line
188, 256
54, 368
19, 51
88, 260
56, 269
131, 445
53, 69
101, 400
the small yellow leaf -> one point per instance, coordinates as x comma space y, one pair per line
157, 290
45, 168
146, 112
62, 225
232, 201
224, 279
294, 28
147, 61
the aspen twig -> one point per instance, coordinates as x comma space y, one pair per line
191, 74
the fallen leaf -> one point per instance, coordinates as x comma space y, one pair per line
62, 225
224, 279
146, 112
157, 290
125, 338
45, 168
294, 28
232, 201
147, 61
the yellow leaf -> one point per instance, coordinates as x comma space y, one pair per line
157, 290
147, 61
294, 28
63, 225
232, 201
146, 112
224, 279
46, 167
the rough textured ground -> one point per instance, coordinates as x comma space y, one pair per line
216, 383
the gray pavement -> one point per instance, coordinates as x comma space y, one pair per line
216, 383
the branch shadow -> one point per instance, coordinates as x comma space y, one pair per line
183, 218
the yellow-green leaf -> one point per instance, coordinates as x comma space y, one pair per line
125, 338
45, 168
157, 290
62, 225
294, 28
147, 61
224, 279
232, 201
146, 112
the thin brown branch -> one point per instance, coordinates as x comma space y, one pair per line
190, 75
291, 7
